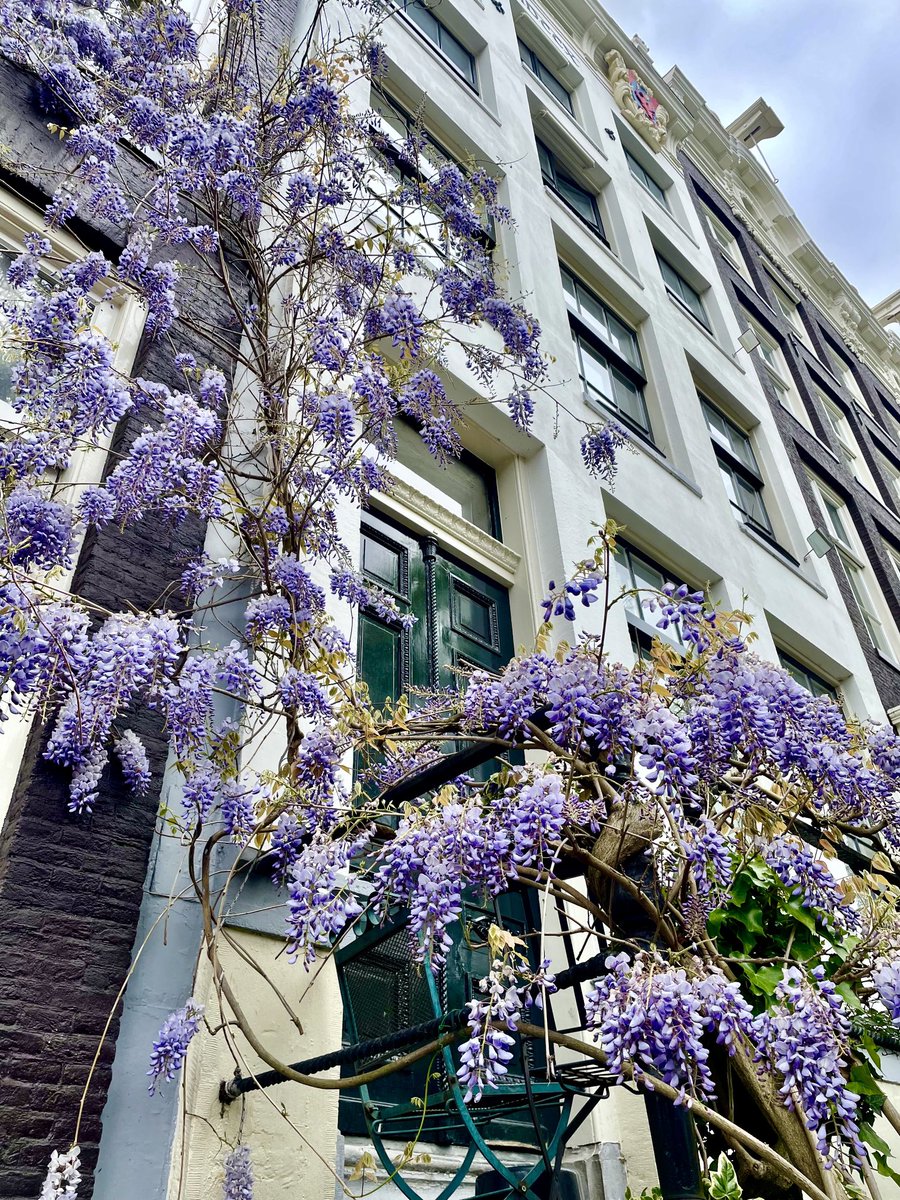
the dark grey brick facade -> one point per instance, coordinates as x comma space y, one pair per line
876, 518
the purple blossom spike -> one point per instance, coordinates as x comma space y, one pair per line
171, 1045
238, 1175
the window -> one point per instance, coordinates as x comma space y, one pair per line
845, 374
560, 181
847, 444
807, 678
728, 244
609, 358
546, 76
679, 288
459, 58
646, 180
892, 475
635, 573
740, 473
871, 604
791, 313
466, 486
779, 374
420, 220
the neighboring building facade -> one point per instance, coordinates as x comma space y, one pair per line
648, 239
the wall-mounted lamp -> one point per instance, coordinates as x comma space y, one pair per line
819, 544
749, 340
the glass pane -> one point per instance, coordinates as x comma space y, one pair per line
458, 55
837, 523
381, 563
629, 399
740, 446
570, 287
525, 54
595, 371
693, 302
595, 313
622, 339
583, 202
425, 21
547, 167
752, 504
552, 84
459, 487
671, 277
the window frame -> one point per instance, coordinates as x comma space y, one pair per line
539, 69
728, 244
776, 366
850, 451
641, 629
650, 185
557, 171
790, 310
586, 328
470, 78
423, 168
677, 286
795, 668
873, 608
737, 470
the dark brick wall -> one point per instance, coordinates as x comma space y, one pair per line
70, 889
875, 518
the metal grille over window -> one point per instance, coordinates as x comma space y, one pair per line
608, 355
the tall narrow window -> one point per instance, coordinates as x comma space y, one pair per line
682, 291
788, 308
646, 180
848, 446
728, 244
608, 355
873, 609
539, 68
845, 374
456, 54
739, 470
779, 373
570, 191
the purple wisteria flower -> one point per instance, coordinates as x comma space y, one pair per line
171, 1046
238, 1175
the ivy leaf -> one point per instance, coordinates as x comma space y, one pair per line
763, 980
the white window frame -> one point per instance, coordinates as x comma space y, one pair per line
780, 374
789, 309
844, 374
851, 454
873, 607
892, 474
728, 244
121, 320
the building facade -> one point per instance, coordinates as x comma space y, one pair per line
649, 240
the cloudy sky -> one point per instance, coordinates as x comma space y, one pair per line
831, 71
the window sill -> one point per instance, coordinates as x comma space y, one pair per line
472, 93
653, 452
782, 556
597, 241
707, 333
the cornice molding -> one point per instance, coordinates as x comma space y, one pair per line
452, 531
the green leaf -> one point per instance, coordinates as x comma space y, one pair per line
800, 914
723, 1181
850, 997
883, 1167
763, 980
871, 1138
862, 1081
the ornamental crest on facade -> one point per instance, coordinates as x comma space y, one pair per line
637, 102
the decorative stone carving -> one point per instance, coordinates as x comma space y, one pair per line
638, 104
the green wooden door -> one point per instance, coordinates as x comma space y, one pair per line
463, 622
